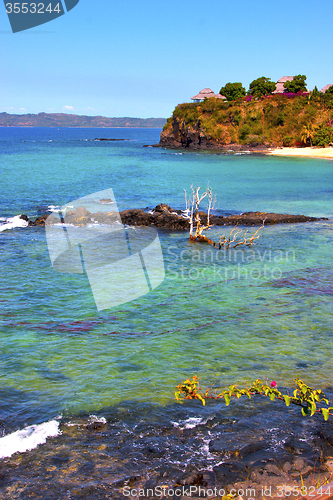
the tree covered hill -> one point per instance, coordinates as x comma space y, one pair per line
270, 121
67, 120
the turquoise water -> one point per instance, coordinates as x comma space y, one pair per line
264, 312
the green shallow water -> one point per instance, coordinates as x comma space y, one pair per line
264, 312
246, 314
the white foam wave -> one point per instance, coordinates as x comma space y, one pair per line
53, 208
28, 438
94, 418
13, 222
189, 423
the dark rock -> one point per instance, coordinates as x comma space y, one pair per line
230, 472
220, 446
204, 479
24, 217
163, 216
153, 450
86, 468
287, 466
39, 221
127, 481
95, 426
275, 471
257, 218
151, 483
167, 471
105, 139
252, 448
126, 450
259, 459
297, 447
153, 446
326, 434
162, 208
302, 467
60, 460
324, 440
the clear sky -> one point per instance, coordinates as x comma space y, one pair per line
140, 59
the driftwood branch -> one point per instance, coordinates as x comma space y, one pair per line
192, 209
233, 240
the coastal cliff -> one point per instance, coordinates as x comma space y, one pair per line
273, 121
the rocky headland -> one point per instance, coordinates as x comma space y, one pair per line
250, 124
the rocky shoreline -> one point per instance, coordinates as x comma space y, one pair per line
204, 144
97, 459
164, 217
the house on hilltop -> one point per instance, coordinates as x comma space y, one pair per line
279, 89
206, 94
323, 90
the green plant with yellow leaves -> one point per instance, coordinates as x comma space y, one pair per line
310, 400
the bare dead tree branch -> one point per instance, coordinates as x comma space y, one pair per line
233, 240
192, 207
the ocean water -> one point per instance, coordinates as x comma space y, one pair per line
228, 317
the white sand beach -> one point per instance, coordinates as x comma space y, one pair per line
326, 153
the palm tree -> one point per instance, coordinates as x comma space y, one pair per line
308, 132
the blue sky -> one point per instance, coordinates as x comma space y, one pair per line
141, 59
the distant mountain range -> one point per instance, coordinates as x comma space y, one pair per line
66, 120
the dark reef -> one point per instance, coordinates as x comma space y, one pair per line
163, 216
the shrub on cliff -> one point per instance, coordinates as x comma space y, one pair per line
323, 136
261, 86
327, 98
275, 120
233, 91
296, 85
188, 112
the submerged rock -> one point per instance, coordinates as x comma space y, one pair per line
106, 139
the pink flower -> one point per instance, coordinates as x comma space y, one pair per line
273, 383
